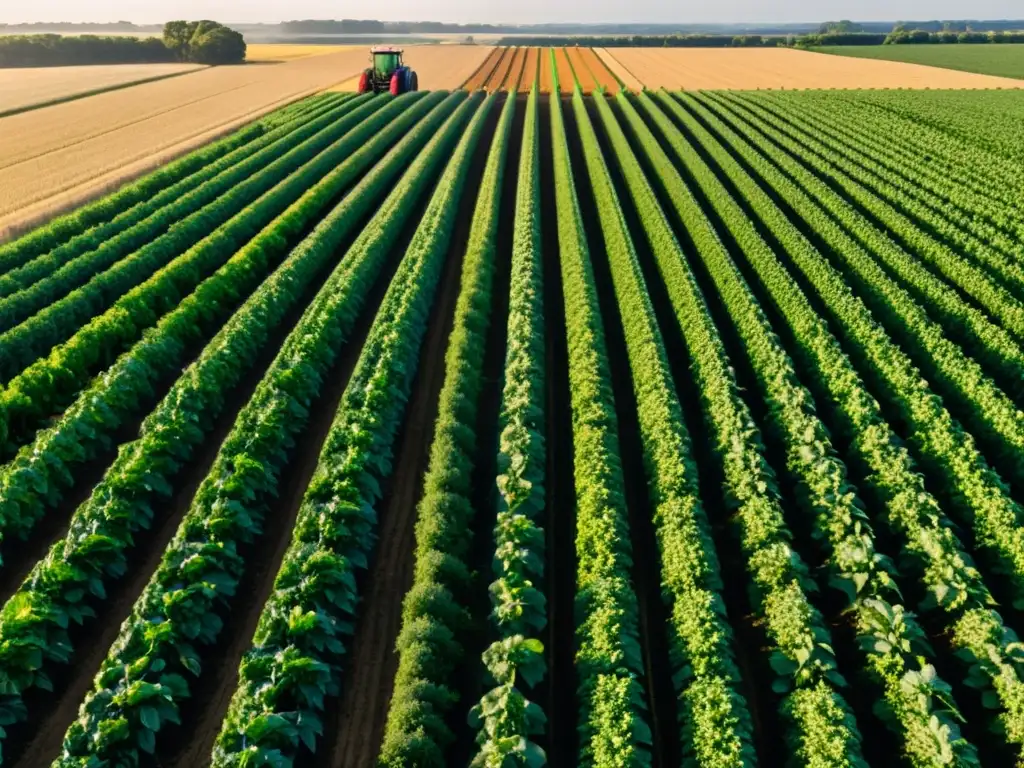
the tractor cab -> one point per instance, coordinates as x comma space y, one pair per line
388, 73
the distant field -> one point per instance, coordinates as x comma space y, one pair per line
55, 157
278, 52
23, 88
694, 69
999, 60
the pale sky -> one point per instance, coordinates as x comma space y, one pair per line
517, 12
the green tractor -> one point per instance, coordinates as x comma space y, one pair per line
388, 73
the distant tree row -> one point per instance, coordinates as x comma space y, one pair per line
201, 42
903, 36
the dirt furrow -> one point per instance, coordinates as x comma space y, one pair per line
355, 722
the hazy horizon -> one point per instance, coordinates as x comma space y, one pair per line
520, 12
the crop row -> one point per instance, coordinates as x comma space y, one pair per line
612, 722
50, 276
937, 439
37, 477
433, 612
507, 721
64, 588
714, 715
295, 659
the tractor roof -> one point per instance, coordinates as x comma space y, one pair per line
385, 49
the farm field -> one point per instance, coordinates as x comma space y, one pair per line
642, 429
21, 89
281, 52
54, 158
777, 68
517, 68
999, 60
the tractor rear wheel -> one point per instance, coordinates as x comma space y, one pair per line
365, 86
414, 81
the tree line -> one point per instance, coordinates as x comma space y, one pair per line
199, 42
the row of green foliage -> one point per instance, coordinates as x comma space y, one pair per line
434, 617
226, 221
51, 276
820, 725
889, 144
64, 588
989, 650
985, 269
857, 140
505, 718
716, 728
989, 413
612, 722
984, 124
202, 42
44, 239
990, 343
144, 680
922, 715
296, 658
50, 382
36, 479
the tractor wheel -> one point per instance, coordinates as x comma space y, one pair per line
396, 84
414, 81
365, 86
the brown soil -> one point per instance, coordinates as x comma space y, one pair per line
546, 72
529, 76
355, 723
445, 67
566, 79
516, 74
558, 690
599, 70
483, 73
501, 72
191, 744
616, 67
582, 70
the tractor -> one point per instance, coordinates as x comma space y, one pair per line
388, 73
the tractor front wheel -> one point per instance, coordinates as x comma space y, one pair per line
396, 84
365, 86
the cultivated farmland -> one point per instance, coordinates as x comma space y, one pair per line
24, 88
482, 429
776, 68
1003, 60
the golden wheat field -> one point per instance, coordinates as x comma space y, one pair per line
261, 53
54, 158
731, 69
22, 88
